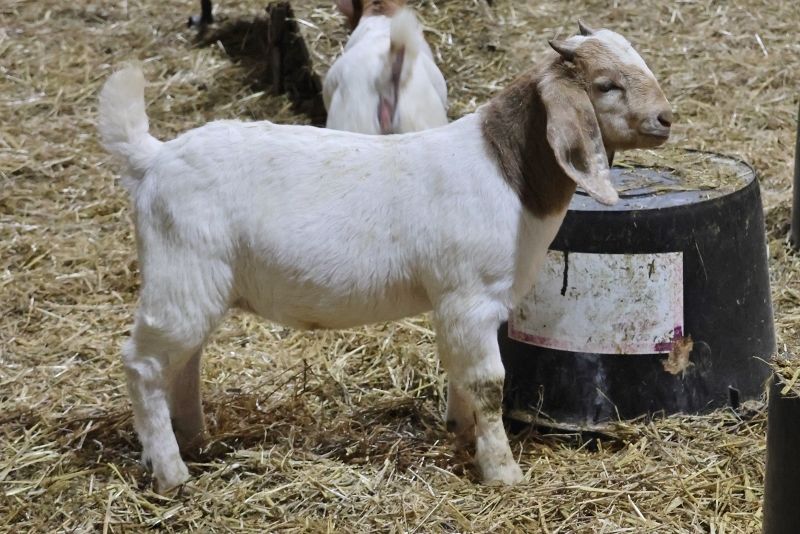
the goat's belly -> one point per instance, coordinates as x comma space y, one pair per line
305, 307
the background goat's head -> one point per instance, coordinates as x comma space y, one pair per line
355, 9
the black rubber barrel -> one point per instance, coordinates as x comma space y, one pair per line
696, 249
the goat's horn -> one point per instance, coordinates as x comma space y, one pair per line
584, 29
565, 49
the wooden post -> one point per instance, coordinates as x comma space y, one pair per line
795, 231
781, 491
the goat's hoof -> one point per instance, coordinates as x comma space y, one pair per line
166, 475
506, 474
201, 22
171, 478
147, 463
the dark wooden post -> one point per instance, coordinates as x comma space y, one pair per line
795, 232
781, 492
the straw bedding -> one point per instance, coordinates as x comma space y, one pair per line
338, 431
787, 374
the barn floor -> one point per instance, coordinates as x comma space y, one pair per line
338, 431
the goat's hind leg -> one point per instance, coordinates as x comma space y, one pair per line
180, 306
149, 363
156, 362
186, 407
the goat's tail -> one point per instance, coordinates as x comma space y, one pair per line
404, 36
123, 122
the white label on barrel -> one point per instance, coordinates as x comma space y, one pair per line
603, 303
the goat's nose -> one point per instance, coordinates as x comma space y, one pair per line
665, 118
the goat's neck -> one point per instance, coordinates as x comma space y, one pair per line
515, 128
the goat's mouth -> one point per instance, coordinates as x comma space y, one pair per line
655, 135
654, 130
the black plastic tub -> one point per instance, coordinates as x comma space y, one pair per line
781, 498
659, 304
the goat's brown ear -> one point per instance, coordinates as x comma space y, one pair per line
574, 136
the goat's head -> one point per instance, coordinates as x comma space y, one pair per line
631, 109
355, 9
598, 97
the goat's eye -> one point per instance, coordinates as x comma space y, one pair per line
606, 86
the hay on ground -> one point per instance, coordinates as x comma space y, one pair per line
338, 431
787, 374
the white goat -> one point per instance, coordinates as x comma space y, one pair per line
386, 80
316, 228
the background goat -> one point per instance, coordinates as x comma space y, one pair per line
385, 81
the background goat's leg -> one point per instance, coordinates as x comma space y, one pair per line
205, 18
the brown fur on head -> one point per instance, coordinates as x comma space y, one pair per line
560, 124
355, 9
516, 126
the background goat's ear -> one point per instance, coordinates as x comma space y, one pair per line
346, 7
574, 136
350, 9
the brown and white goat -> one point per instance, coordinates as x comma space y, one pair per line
316, 228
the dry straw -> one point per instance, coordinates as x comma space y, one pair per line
337, 431
787, 374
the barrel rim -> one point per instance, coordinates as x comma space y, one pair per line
595, 207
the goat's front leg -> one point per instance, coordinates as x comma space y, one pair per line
458, 418
468, 336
